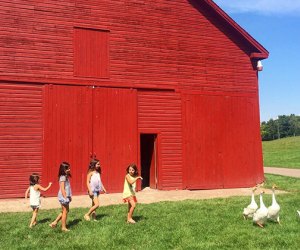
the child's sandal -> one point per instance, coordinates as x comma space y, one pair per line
86, 217
52, 225
131, 221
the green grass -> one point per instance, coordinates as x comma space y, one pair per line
282, 153
191, 224
285, 183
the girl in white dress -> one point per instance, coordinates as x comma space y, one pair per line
94, 186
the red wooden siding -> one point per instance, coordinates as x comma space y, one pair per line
160, 112
115, 133
152, 44
21, 134
91, 57
222, 145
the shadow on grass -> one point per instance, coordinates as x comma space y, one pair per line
139, 218
45, 220
74, 222
101, 216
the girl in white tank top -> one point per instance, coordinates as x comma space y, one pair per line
35, 196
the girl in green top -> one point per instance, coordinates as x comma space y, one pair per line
129, 190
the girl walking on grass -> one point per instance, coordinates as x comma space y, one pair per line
129, 190
94, 186
64, 195
35, 196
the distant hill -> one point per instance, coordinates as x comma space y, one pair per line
282, 152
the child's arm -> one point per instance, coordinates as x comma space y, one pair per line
133, 179
39, 187
27, 192
88, 178
63, 190
103, 188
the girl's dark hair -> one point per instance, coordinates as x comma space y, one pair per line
92, 166
62, 169
133, 165
34, 179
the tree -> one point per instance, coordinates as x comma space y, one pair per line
281, 127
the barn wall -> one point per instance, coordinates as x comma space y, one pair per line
21, 136
178, 46
160, 113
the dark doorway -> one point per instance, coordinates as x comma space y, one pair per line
149, 160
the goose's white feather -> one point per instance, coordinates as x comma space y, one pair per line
260, 216
251, 208
273, 210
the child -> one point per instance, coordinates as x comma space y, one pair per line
64, 196
94, 186
35, 196
129, 190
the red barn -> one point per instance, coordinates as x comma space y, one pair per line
170, 85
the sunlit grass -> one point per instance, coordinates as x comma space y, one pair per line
191, 224
285, 183
282, 153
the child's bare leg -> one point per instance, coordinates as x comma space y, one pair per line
65, 210
94, 212
95, 205
131, 207
58, 218
34, 216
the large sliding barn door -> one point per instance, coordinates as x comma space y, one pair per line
223, 148
115, 133
68, 133
81, 121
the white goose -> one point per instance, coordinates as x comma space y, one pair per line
298, 211
251, 208
273, 210
260, 216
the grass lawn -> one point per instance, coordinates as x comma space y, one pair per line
282, 153
191, 224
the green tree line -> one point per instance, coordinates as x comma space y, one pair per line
283, 126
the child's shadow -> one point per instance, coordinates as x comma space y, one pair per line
139, 217
74, 222
101, 216
45, 220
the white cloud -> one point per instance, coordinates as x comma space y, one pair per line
261, 6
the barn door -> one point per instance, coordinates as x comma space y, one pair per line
81, 121
68, 133
148, 151
204, 141
114, 133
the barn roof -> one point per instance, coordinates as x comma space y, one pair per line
261, 52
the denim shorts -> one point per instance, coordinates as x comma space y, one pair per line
95, 194
64, 201
34, 207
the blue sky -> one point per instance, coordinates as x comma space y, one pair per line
275, 24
